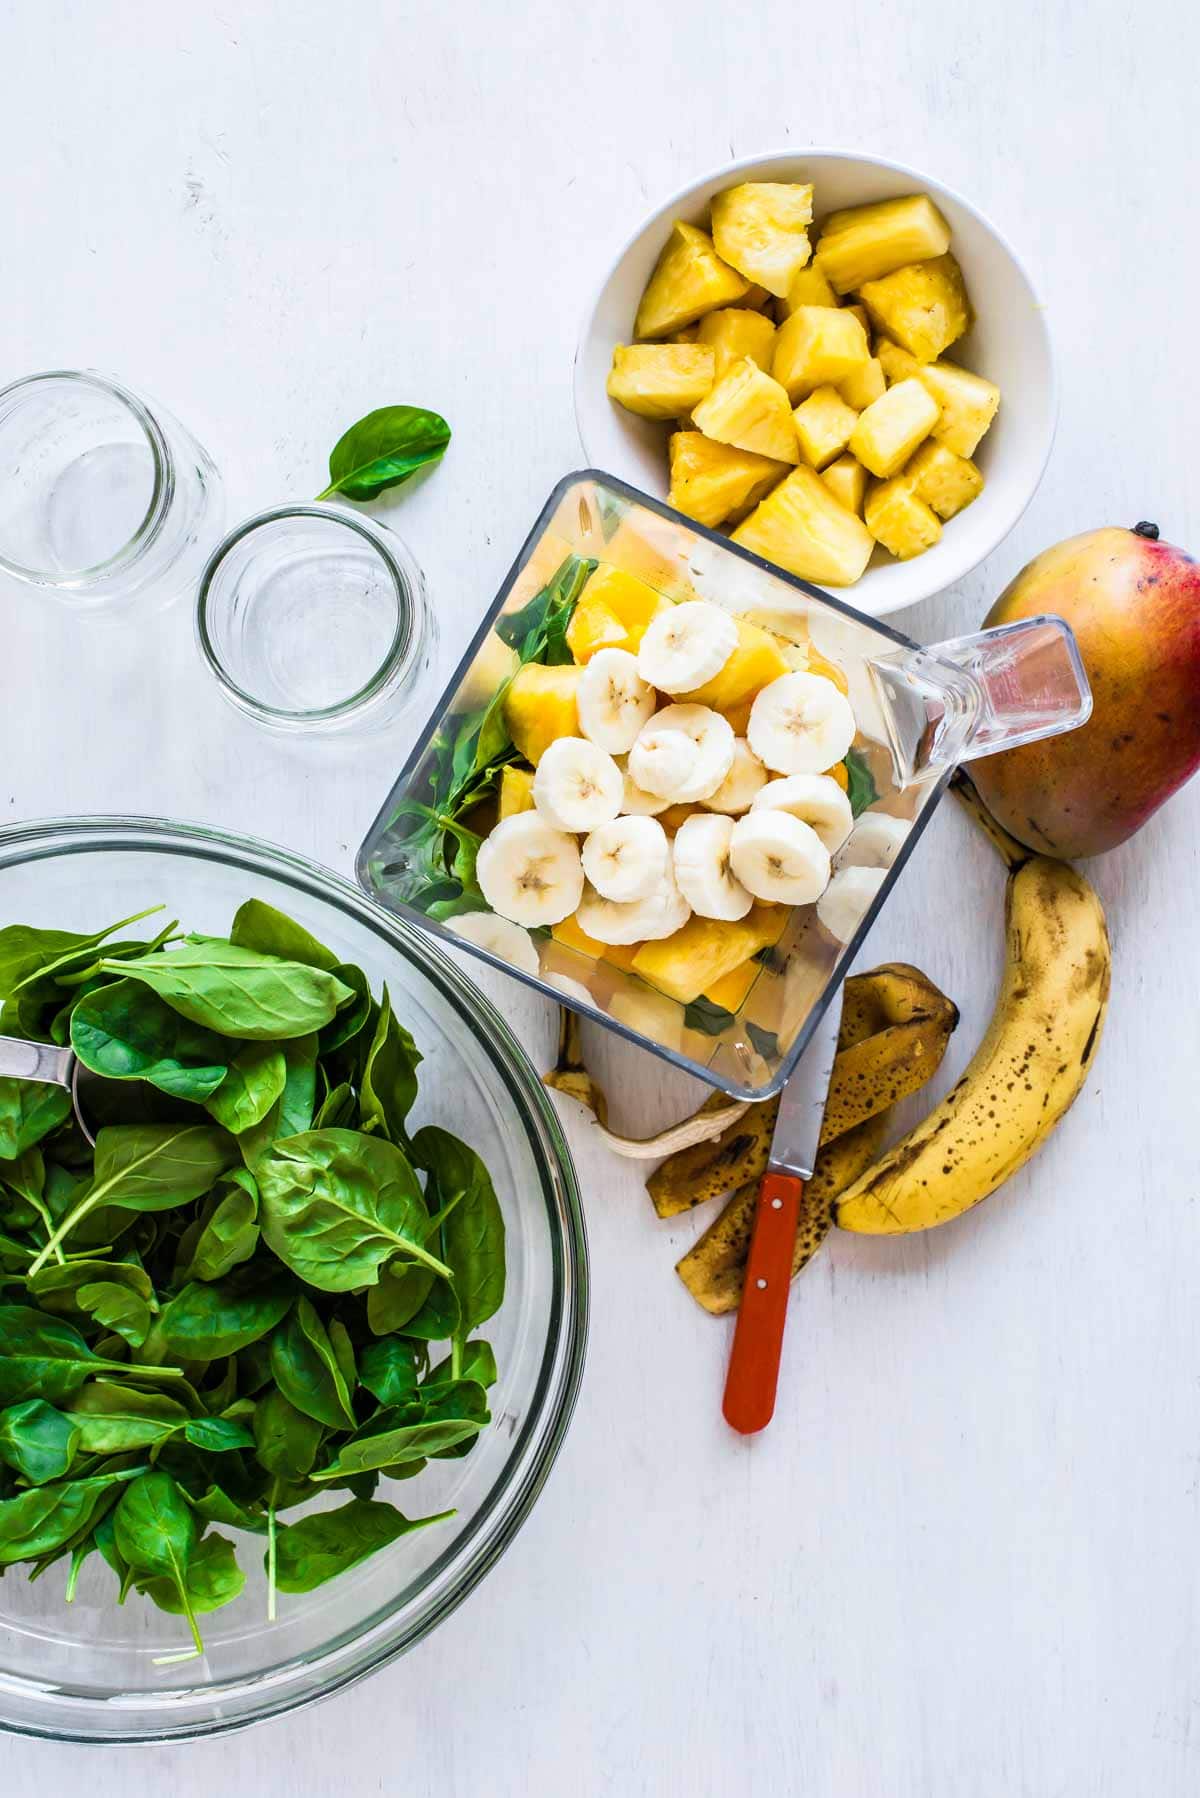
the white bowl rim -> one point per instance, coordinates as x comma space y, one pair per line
744, 165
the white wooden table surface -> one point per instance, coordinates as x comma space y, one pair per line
964, 1560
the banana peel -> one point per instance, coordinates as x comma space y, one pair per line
569, 1075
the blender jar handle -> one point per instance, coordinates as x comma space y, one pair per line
971, 696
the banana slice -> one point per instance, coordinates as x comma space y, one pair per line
636, 802
641, 921
571, 989
613, 700
875, 842
686, 646
627, 859
815, 799
800, 724
746, 777
702, 870
683, 753
530, 872
778, 857
846, 900
499, 936
577, 786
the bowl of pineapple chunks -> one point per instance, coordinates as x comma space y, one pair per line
834, 360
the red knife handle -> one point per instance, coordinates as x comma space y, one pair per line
758, 1338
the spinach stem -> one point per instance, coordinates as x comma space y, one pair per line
271, 1554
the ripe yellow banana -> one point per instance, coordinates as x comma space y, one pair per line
1029, 1067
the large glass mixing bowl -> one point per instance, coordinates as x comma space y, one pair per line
87, 1671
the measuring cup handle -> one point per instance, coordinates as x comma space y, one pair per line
42, 1062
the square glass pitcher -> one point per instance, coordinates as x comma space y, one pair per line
733, 1002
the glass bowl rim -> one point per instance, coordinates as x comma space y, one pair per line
380, 537
290, 1685
161, 493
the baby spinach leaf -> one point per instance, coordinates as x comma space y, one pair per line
46, 1357
306, 1368
300, 1086
209, 1319
402, 1293
260, 926
218, 1435
212, 1579
392, 1437
117, 1309
27, 952
478, 1363
538, 632
216, 1506
115, 1419
254, 1081
389, 1080
388, 1370
29, 1112
708, 1018
472, 1236
336, 1206
339, 1110
353, 1017
861, 790
239, 992
41, 1520
37, 1441
156, 1534
320, 1547
104, 1536
384, 450
58, 1288
226, 1232
126, 1033
285, 1439
765, 1041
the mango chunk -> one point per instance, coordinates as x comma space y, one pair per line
968, 403
540, 707
899, 520
731, 990
761, 229
749, 410
516, 791
824, 424
861, 243
801, 526
757, 660
943, 480
846, 479
733, 333
612, 613
688, 280
710, 481
924, 307
817, 346
888, 432
661, 380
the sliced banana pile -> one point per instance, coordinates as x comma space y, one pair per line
771, 824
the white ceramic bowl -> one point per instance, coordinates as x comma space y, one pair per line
1010, 344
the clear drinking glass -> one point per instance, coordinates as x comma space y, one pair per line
102, 494
314, 617
759, 987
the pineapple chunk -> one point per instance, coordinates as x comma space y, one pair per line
861, 243
888, 432
734, 333
899, 520
804, 529
968, 402
730, 991
824, 425
760, 228
710, 481
756, 299
757, 659
943, 480
865, 385
689, 334
572, 936
539, 707
750, 410
516, 791
846, 479
612, 612
689, 279
816, 346
809, 288
698, 955
660, 380
923, 307
860, 313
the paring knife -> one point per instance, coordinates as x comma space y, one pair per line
758, 1338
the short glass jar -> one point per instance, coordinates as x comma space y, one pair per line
105, 495
314, 617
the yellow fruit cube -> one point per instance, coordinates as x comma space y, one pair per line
612, 612
689, 334
730, 991
733, 333
968, 403
760, 228
860, 313
808, 288
924, 307
750, 410
687, 281
710, 481
594, 627
539, 707
846, 479
899, 520
697, 955
943, 480
866, 385
824, 423
818, 346
571, 936
516, 791
661, 380
861, 243
803, 528
756, 299
888, 432
757, 660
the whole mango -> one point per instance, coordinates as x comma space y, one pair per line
1134, 605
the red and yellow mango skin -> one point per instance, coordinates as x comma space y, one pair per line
1134, 605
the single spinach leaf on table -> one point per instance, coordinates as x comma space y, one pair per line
307, 1370
37, 1441
29, 1112
156, 1533
384, 450
209, 1319
319, 1547
212, 1578
239, 992
46, 1357
39, 1521
861, 790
